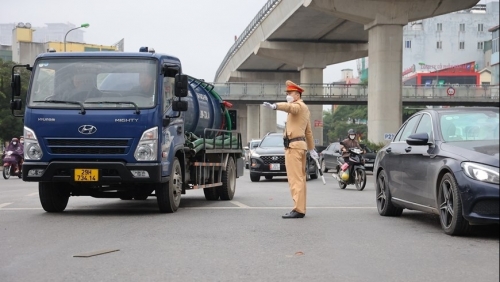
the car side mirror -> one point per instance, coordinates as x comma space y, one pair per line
418, 139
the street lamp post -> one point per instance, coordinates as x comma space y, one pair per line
437, 72
85, 25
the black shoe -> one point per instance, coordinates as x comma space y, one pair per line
293, 214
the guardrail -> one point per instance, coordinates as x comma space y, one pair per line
418, 94
261, 15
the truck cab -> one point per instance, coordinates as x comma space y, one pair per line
118, 125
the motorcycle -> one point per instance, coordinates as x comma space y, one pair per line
355, 170
10, 163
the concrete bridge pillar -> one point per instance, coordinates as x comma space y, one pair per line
267, 121
313, 76
252, 123
384, 81
241, 121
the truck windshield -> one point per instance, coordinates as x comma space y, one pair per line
95, 82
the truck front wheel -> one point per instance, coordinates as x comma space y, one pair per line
168, 195
53, 196
226, 191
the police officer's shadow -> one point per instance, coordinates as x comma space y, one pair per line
275, 179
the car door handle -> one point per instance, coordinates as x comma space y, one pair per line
388, 150
408, 149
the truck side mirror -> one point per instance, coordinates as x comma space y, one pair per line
181, 85
16, 85
16, 105
179, 106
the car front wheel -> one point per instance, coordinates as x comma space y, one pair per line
450, 207
254, 177
384, 203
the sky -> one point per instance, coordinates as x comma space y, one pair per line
198, 32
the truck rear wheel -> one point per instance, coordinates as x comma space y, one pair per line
226, 191
168, 195
53, 196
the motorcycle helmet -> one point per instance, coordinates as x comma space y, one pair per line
351, 134
345, 175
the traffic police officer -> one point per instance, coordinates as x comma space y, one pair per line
298, 139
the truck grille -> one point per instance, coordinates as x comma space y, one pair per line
273, 159
88, 146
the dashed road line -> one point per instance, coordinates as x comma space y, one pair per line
19, 209
4, 205
241, 205
32, 194
268, 208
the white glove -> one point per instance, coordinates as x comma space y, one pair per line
313, 154
269, 105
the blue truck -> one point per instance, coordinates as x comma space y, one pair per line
126, 125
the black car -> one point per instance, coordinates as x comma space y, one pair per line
268, 159
443, 161
368, 157
328, 157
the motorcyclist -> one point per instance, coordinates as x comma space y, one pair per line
348, 143
17, 152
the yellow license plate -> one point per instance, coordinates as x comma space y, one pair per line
86, 174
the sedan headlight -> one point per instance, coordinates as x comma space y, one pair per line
147, 149
32, 150
481, 172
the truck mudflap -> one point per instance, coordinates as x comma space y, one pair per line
92, 172
240, 166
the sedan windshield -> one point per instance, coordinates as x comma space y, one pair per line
95, 82
272, 141
469, 125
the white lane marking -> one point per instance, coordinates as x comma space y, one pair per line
32, 194
199, 208
19, 209
241, 205
4, 205
270, 208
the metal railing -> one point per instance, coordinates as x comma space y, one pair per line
277, 89
257, 20
325, 92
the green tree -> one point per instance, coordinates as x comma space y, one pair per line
10, 126
336, 124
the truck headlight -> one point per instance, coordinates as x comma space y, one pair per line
147, 149
32, 150
481, 172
